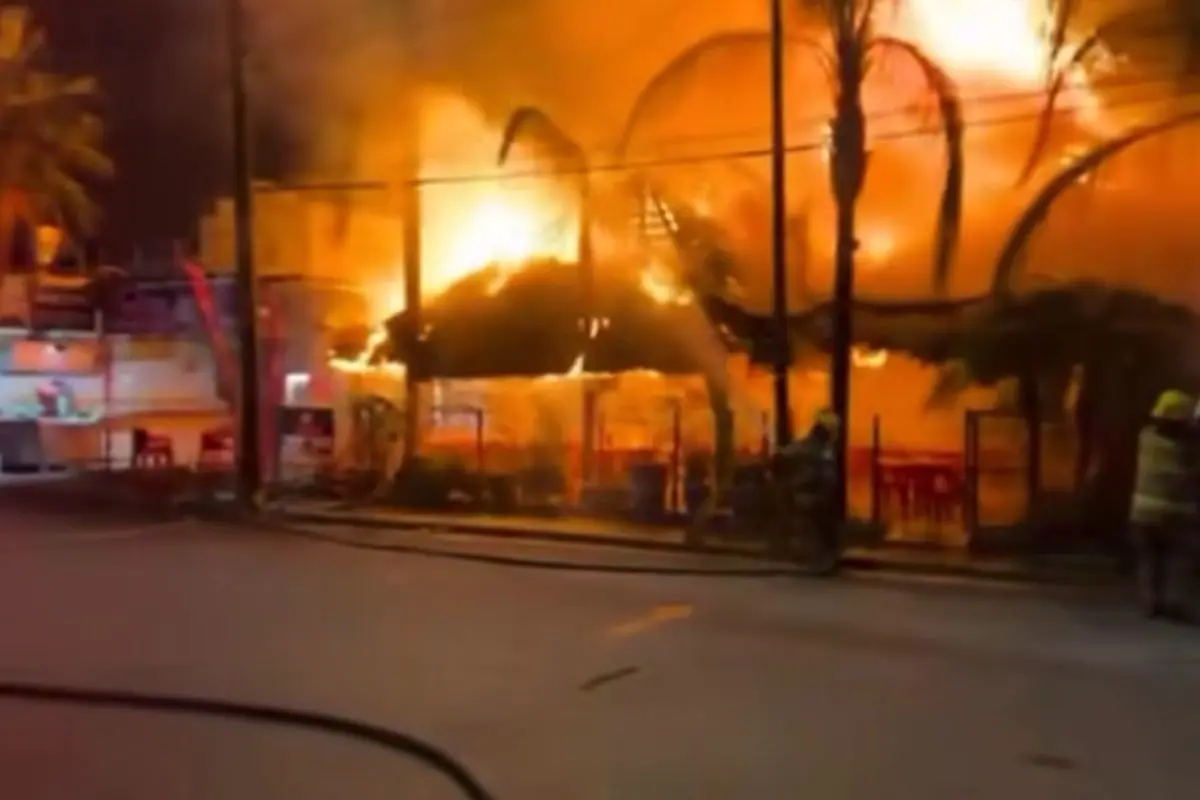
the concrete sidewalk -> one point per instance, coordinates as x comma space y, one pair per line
1062, 571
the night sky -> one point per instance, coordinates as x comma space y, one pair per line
160, 64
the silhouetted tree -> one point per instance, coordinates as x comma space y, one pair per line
49, 138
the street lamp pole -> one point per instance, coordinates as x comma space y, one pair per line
779, 308
249, 462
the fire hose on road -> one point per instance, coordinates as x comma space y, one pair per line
393, 741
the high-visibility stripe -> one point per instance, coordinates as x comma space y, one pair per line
1168, 479
1150, 503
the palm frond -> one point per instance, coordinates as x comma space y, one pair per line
14, 33
65, 200
866, 18
1060, 74
51, 138
952, 380
1036, 213
1062, 14
75, 140
686, 61
80, 149
50, 91
546, 131
945, 93
1135, 24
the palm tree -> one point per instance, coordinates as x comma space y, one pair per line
50, 142
1117, 349
1012, 256
853, 49
1152, 24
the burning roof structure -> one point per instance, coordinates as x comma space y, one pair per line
536, 324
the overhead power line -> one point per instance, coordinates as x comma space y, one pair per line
714, 156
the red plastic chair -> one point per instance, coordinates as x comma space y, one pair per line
152, 450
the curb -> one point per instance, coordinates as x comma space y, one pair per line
858, 562
866, 563
560, 565
502, 532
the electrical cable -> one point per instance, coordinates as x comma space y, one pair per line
388, 739
686, 160
966, 101
895, 112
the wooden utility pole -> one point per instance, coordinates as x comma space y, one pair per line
249, 461
410, 130
587, 280
779, 279
849, 167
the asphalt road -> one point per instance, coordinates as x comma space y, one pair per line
556, 685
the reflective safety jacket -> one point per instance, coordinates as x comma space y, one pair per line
1168, 476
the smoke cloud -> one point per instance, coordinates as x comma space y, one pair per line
337, 72
331, 66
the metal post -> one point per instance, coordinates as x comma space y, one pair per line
779, 315
249, 468
842, 355
676, 454
106, 349
587, 287
876, 471
480, 441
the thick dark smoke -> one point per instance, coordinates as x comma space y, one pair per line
324, 62
329, 77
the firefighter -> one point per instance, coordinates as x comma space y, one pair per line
1165, 513
809, 468
815, 452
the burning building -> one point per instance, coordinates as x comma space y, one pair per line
489, 237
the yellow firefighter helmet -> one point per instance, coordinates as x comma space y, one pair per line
1174, 404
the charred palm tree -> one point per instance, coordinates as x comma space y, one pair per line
850, 50
1155, 24
1012, 257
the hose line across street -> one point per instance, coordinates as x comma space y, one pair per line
394, 741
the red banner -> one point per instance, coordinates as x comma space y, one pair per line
271, 335
222, 351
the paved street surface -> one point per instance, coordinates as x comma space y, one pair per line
574, 686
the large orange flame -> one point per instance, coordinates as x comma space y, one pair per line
1004, 43
1003, 39
472, 225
